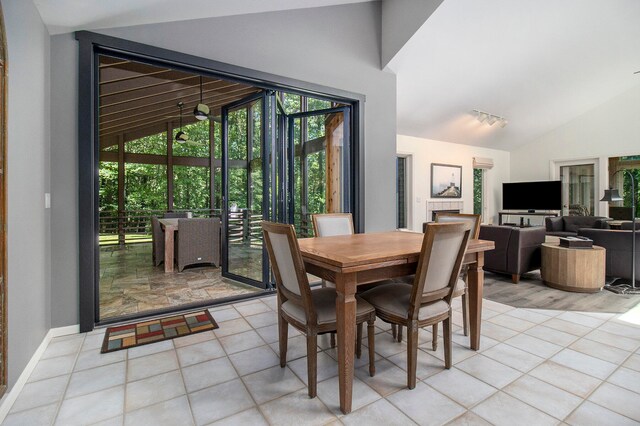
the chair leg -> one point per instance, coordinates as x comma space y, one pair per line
434, 337
394, 332
412, 354
399, 333
465, 314
371, 334
333, 340
312, 363
446, 331
283, 338
359, 341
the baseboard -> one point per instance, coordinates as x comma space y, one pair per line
10, 397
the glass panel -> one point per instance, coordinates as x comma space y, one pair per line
198, 143
317, 104
577, 190
477, 190
321, 168
244, 233
108, 202
619, 169
191, 189
401, 203
153, 144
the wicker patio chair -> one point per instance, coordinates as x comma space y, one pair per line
175, 215
198, 241
157, 241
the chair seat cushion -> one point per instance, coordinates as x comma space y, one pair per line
461, 286
393, 299
324, 300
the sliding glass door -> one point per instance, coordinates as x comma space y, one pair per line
318, 166
280, 167
578, 187
245, 184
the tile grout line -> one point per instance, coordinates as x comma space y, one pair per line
66, 388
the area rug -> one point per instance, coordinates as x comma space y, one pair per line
152, 331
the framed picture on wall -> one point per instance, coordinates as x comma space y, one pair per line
446, 181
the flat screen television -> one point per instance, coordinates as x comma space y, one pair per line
530, 196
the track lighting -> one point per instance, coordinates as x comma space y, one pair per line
490, 119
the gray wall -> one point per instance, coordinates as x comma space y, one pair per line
400, 21
333, 46
28, 179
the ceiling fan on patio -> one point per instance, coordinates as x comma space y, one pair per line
181, 137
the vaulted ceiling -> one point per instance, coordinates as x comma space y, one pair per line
539, 64
62, 16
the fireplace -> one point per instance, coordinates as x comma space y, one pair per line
435, 212
439, 206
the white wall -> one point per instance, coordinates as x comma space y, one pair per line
28, 234
400, 21
609, 130
423, 152
332, 46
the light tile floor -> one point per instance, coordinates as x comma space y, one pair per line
535, 367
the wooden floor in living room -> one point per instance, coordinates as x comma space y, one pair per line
532, 293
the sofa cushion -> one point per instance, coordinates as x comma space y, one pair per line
562, 234
573, 223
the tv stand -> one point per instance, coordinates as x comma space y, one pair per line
527, 213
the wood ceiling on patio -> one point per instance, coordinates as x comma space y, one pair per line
138, 99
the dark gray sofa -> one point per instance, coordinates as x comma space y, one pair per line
568, 226
517, 249
618, 246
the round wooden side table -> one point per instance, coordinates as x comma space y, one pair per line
573, 269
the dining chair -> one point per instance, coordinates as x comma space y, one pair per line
329, 225
461, 286
428, 300
312, 312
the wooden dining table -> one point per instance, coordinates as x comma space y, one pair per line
170, 227
353, 260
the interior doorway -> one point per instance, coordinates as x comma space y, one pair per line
260, 152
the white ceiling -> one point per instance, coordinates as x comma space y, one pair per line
62, 16
537, 63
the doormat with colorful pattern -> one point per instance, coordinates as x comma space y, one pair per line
143, 333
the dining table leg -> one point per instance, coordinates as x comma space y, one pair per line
475, 286
169, 232
346, 324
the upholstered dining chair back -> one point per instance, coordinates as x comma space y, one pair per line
287, 266
440, 261
157, 237
474, 219
330, 224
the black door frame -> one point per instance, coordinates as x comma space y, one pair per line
90, 46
